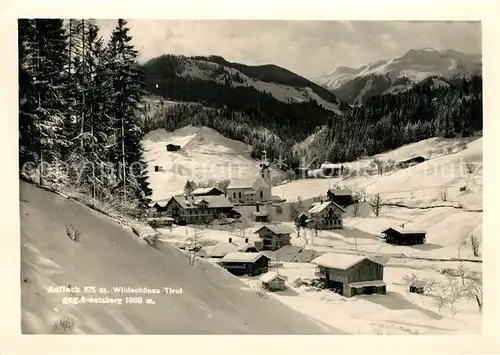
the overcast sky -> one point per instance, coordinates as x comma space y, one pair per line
308, 48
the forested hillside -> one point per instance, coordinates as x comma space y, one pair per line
78, 109
384, 122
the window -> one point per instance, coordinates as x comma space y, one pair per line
261, 194
239, 194
234, 194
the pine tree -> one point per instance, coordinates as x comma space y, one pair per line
43, 57
127, 94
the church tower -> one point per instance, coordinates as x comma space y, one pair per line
265, 171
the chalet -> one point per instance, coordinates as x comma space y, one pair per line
404, 236
173, 147
273, 281
274, 236
249, 191
326, 215
196, 209
342, 197
245, 263
406, 163
207, 191
351, 275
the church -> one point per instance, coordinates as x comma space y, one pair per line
250, 191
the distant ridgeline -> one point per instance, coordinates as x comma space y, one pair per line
220, 97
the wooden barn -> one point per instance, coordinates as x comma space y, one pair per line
404, 236
351, 275
326, 215
272, 281
245, 263
274, 236
342, 197
406, 163
173, 147
303, 219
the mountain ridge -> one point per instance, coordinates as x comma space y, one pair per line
414, 66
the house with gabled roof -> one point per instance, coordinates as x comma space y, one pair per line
245, 263
326, 215
197, 209
273, 281
342, 197
402, 235
351, 275
220, 249
274, 236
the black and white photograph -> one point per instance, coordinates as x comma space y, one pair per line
250, 177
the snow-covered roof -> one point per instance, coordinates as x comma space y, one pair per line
340, 261
242, 257
270, 276
254, 183
276, 229
320, 206
205, 190
222, 248
340, 192
216, 201
376, 283
406, 230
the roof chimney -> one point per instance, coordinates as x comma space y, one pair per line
230, 240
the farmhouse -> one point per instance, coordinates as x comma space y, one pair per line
303, 219
245, 263
406, 163
273, 281
196, 209
207, 191
404, 236
248, 191
173, 147
274, 236
342, 197
295, 254
329, 169
326, 215
351, 275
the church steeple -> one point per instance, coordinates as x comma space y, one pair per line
264, 165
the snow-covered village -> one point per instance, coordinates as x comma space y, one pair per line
166, 192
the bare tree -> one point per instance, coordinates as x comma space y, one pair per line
379, 165
469, 167
376, 204
443, 194
474, 243
389, 165
355, 208
296, 208
472, 287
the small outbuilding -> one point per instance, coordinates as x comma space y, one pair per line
406, 163
272, 281
342, 197
404, 236
173, 147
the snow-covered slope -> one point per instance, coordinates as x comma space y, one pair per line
204, 155
416, 64
209, 299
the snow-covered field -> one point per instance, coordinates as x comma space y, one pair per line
204, 155
397, 312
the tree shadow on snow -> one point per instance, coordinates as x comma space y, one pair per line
427, 246
395, 301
